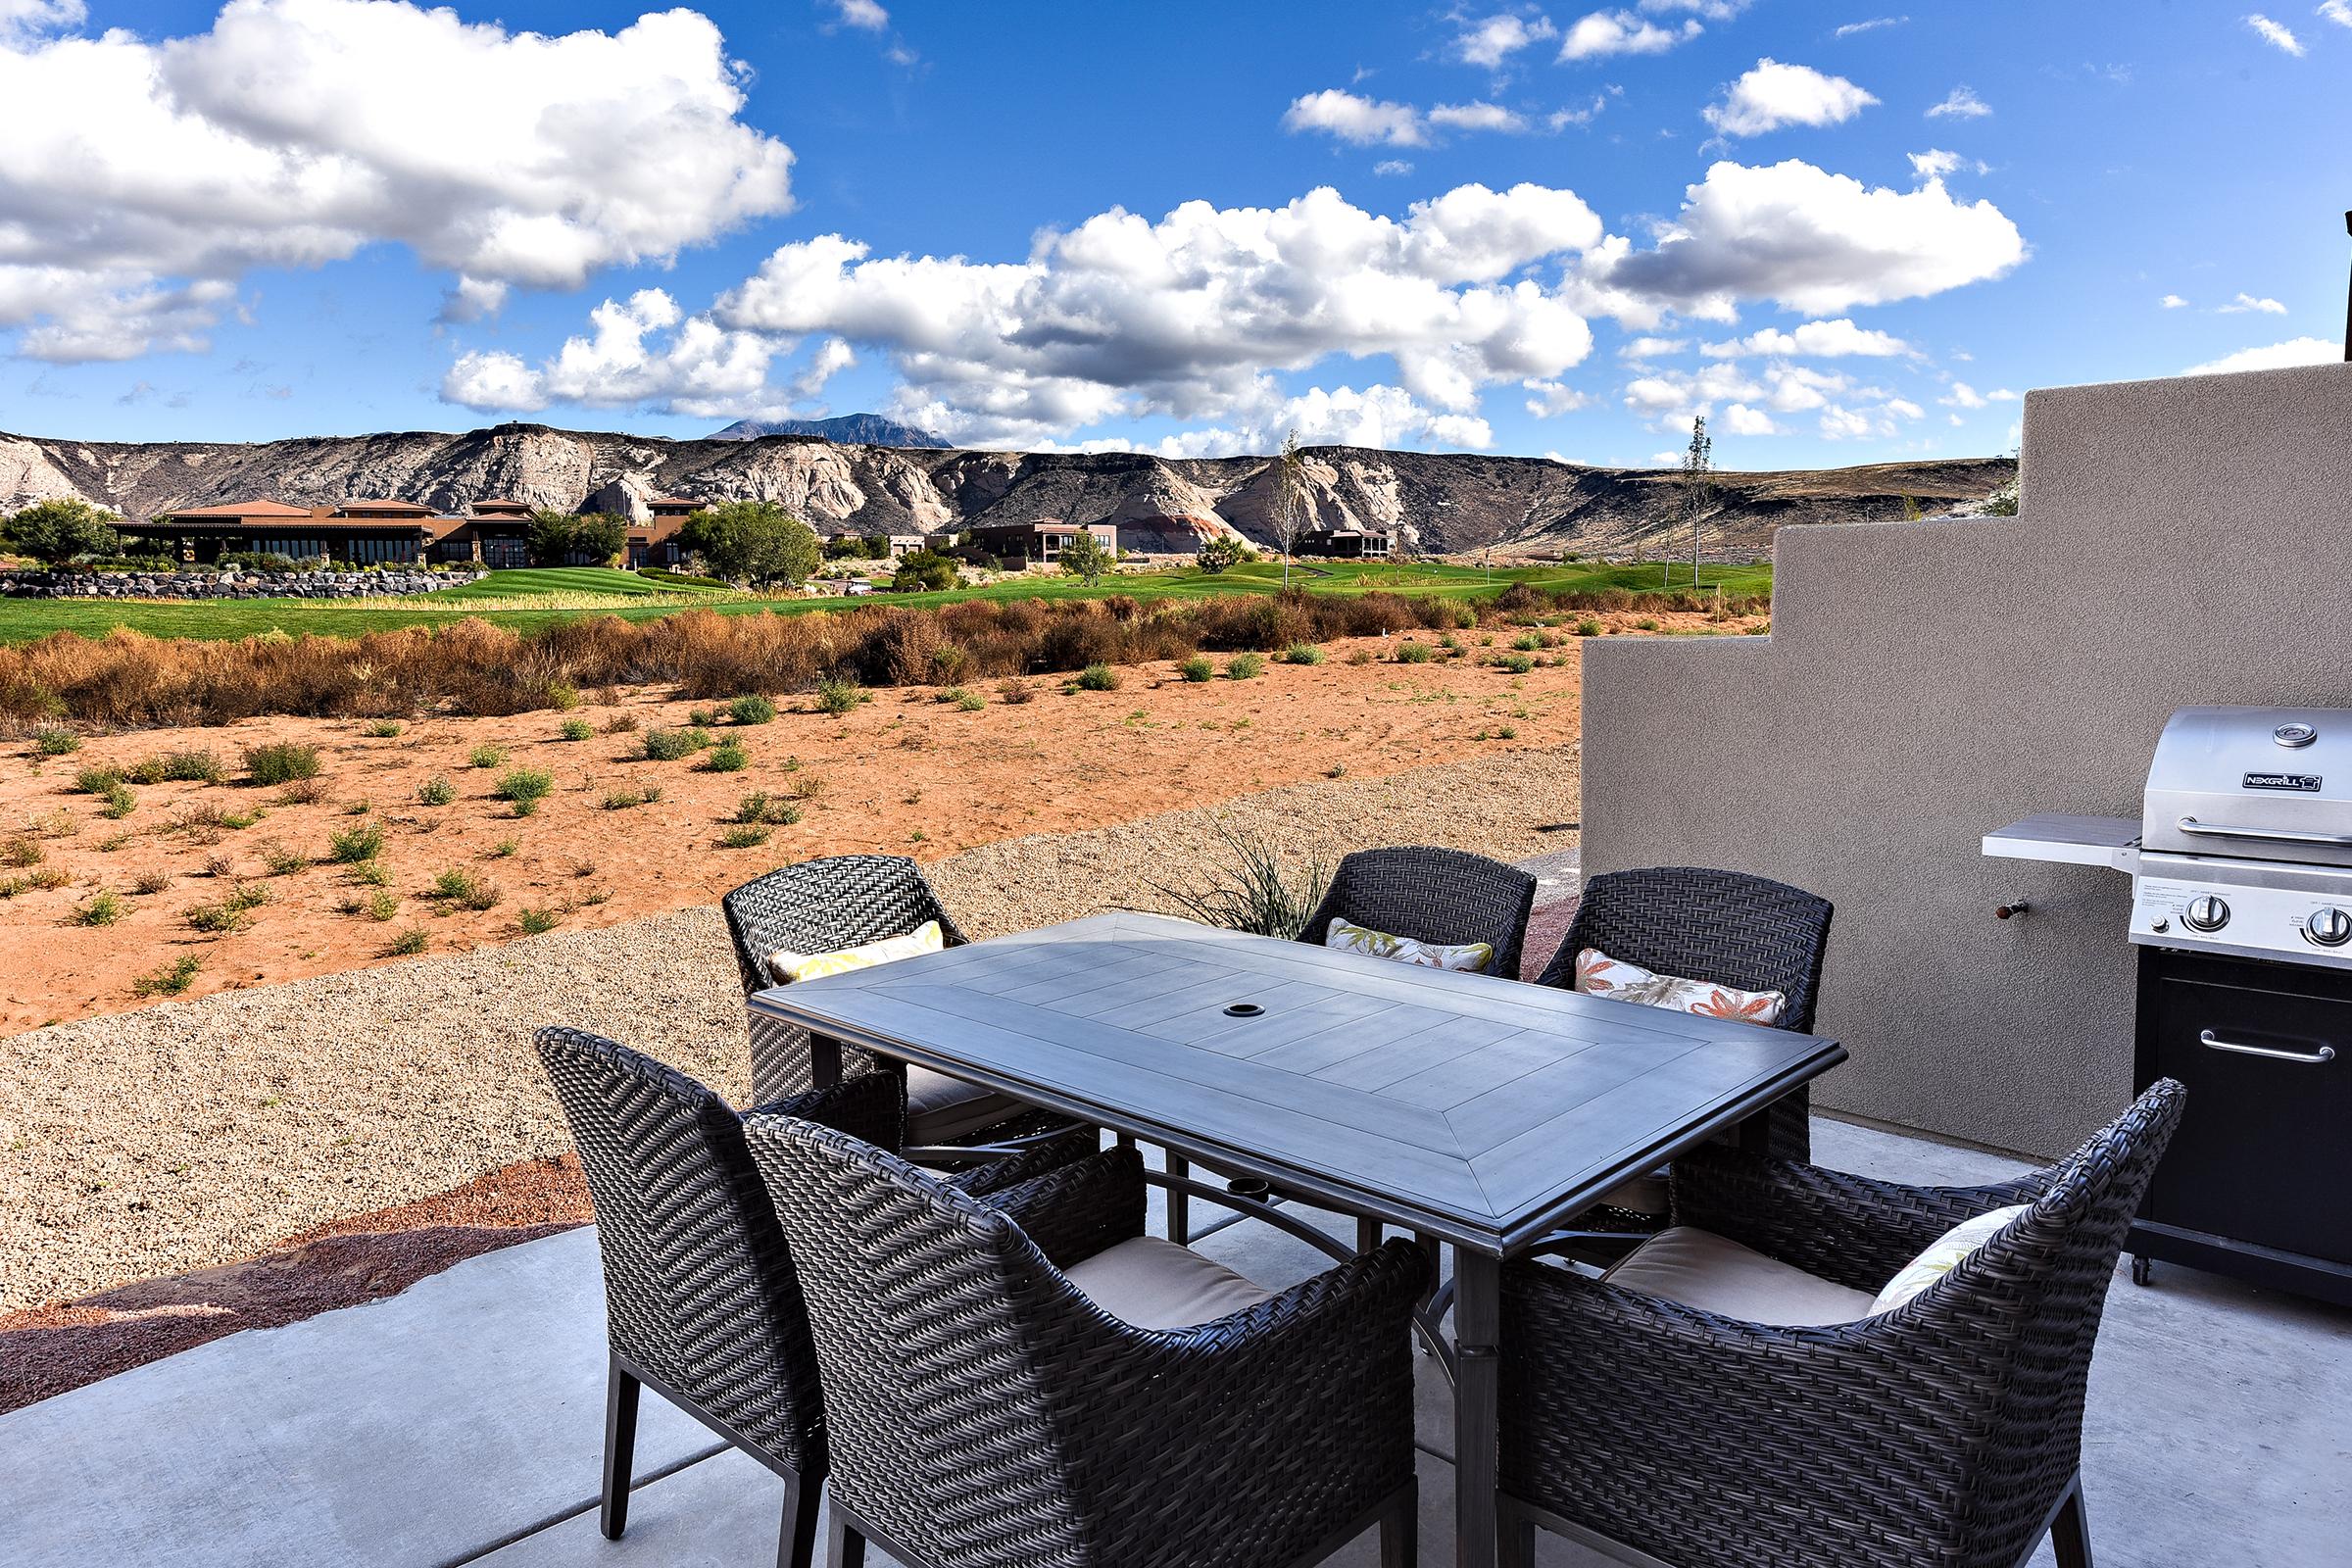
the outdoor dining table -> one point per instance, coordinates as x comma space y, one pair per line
1474, 1109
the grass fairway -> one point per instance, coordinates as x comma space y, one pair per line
535, 597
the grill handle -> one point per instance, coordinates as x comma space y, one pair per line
2310, 1058
2339, 841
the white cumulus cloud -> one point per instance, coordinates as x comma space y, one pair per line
1961, 103
2245, 302
2170, 302
2339, 12
1355, 119
1621, 33
640, 352
1771, 95
1185, 316
862, 14
2274, 357
1824, 341
1550, 400
1476, 117
140, 182
1494, 39
1816, 242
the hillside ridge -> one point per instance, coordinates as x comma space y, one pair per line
1436, 501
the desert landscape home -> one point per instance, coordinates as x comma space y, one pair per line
1039, 543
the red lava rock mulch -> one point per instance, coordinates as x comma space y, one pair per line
49, 1349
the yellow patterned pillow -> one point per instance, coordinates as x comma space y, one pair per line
1943, 1254
788, 965
1348, 937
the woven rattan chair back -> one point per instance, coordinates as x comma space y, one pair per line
1727, 927
1431, 895
699, 1293
936, 1321
821, 905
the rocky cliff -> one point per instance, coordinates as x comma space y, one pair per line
1441, 501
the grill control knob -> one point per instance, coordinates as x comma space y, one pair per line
2329, 927
2206, 912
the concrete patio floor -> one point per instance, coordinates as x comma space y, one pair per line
460, 1422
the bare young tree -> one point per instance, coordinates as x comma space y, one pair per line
1698, 484
1292, 503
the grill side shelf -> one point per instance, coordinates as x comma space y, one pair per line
2109, 841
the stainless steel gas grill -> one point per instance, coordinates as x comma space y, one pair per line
2241, 905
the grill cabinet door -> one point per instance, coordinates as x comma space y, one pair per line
2263, 1153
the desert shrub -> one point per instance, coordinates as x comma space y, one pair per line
20, 850
280, 861
804, 786
966, 699
750, 709
537, 923
1016, 691
49, 878
702, 718
1646, 623
409, 942
574, 729
362, 841
170, 980
1516, 664
382, 729
838, 697
1098, 677
55, 740
727, 756
96, 780
103, 908
622, 800
1527, 642
670, 744
120, 803
1588, 627
1249, 889
151, 880
506, 848
1303, 654
300, 792
1245, 667
216, 919
466, 890
621, 724
281, 762
951, 663
486, 755
371, 873
652, 793
436, 791
758, 807
744, 836
524, 788
1197, 668
1359, 656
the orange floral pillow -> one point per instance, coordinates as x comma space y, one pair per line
1599, 975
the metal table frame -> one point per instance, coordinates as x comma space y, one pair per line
829, 1008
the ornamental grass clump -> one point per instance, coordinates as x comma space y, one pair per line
1248, 888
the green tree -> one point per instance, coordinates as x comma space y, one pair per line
1086, 557
54, 532
752, 541
551, 535
923, 571
1219, 552
600, 536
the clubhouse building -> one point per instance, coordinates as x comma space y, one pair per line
380, 532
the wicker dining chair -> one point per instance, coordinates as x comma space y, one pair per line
1442, 896
1002, 1389
846, 900
1727, 927
1947, 1430
701, 1302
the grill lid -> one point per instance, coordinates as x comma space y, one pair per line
2254, 783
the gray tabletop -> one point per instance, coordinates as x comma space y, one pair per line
1471, 1107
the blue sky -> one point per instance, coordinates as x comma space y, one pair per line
1847, 233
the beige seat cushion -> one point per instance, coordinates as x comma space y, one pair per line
1699, 1268
941, 1110
1154, 1284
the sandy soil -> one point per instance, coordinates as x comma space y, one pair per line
905, 772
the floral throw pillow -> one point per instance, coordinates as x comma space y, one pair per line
1943, 1254
1348, 937
1597, 974
787, 965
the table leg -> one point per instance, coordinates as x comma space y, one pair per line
1755, 1136
1477, 1326
1369, 1234
824, 1061
1180, 1204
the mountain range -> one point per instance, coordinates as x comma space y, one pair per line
850, 429
1436, 502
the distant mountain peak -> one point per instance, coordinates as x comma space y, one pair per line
849, 429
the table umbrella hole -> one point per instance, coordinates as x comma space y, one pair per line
1243, 1010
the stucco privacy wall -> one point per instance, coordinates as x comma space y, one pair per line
2180, 542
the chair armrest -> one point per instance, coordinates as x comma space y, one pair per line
1196, 1435
872, 1105
1077, 1208
1664, 1427
995, 1175
1855, 1230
